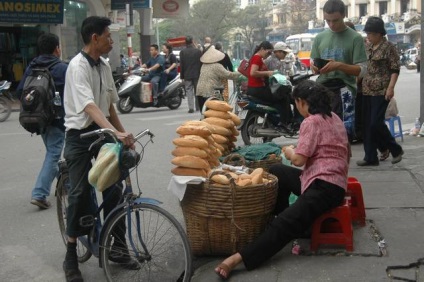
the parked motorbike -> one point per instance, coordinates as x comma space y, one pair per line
5, 100
259, 119
135, 93
405, 60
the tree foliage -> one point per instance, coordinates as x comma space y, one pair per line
250, 23
212, 18
300, 12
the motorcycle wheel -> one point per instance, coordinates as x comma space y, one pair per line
175, 102
123, 106
5, 109
251, 121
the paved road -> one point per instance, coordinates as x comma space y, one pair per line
31, 248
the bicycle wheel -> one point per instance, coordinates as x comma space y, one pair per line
62, 205
166, 255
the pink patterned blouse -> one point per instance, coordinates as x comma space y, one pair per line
324, 142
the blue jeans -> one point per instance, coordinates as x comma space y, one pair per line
53, 140
154, 80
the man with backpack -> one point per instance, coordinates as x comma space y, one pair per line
52, 131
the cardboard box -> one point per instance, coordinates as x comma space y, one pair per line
146, 92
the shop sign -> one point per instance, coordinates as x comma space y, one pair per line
390, 28
32, 11
170, 8
136, 4
414, 21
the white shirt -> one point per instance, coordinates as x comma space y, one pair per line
87, 82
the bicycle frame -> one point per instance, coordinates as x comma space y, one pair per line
91, 241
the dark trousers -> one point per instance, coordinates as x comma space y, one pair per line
376, 134
201, 101
292, 221
358, 114
282, 104
165, 77
80, 200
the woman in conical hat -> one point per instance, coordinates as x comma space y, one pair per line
211, 74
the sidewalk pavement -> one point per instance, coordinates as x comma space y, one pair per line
394, 202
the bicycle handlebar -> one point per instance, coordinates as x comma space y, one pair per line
101, 132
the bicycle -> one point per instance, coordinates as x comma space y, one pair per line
155, 246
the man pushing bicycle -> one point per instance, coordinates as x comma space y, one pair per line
89, 96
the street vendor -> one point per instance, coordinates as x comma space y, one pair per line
323, 149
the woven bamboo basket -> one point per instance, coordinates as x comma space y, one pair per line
222, 219
237, 160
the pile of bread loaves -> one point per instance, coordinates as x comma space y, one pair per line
256, 177
201, 143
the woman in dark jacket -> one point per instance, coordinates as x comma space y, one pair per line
170, 67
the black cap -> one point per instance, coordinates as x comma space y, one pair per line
189, 39
375, 24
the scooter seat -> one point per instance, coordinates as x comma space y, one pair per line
260, 101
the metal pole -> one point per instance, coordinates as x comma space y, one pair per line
421, 70
130, 30
157, 32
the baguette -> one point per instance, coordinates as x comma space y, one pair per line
244, 182
189, 151
235, 118
218, 105
220, 179
219, 138
184, 171
191, 141
198, 130
217, 114
227, 123
190, 162
257, 179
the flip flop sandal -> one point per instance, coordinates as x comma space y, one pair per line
384, 155
226, 269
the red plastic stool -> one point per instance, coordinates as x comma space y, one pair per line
356, 202
333, 228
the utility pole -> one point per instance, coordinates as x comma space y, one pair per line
421, 70
130, 30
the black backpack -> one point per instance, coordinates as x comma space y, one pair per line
37, 108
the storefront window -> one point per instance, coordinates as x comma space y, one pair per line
71, 41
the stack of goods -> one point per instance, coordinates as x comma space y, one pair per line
201, 143
225, 122
196, 152
242, 180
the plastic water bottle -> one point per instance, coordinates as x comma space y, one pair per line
415, 131
57, 101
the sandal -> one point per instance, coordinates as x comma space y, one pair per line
384, 155
223, 271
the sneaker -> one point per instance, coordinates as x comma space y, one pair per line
365, 163
72, 274
398, 158
42, 204
190, 111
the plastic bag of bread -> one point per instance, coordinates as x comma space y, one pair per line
105, 171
